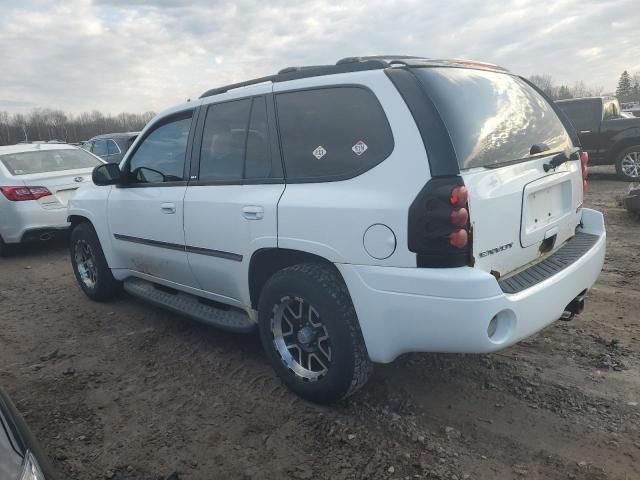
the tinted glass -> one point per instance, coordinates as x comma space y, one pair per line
161, 155
491, 117
100, 147
87, 146
26, 163
223, 141
258, 154
112, 148
583, 115
332, 133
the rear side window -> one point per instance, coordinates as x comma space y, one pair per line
112, 147
492, 118
27, 163
100, 148
332, 133
235, 142
583, 115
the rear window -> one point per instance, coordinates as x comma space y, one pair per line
492, 118
26, 163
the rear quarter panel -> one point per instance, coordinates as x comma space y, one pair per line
329, 219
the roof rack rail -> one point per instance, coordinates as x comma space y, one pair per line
385, 59
294, 73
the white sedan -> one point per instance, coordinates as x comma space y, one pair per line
36, 182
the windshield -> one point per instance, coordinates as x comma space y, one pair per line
26, 163
492, 117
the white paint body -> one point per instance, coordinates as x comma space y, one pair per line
46, 213
401, 308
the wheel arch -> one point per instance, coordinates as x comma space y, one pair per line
265, 262
622, 145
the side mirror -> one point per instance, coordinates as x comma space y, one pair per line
107, 174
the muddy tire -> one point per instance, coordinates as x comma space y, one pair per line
628, 164
89, 265
310, 333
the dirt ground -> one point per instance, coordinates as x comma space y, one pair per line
128, 391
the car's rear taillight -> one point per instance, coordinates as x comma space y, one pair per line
22, 193
439, 227
584, 160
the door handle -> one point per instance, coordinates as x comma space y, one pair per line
253, 212
168, 208
582, 132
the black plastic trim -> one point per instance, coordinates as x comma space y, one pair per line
182, 248
214, 253
434, 133
574, 249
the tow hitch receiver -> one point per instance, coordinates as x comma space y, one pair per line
575, 307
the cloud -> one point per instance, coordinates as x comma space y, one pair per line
137, 55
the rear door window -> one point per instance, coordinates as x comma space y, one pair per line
332, 133
492, 118
235, 142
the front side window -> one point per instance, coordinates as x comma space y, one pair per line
160, 157
332, 133
235, 142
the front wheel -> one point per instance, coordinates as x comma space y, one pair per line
310, 332
628, 164
89, 265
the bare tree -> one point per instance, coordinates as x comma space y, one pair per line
48, 124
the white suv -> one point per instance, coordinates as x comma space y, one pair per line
352, 213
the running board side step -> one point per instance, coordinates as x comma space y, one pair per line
227, 317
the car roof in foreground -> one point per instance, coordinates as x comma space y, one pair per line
34, 147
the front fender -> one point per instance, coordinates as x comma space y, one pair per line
90, 203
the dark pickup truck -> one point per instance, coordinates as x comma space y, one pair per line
610, 137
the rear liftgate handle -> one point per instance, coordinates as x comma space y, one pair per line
253, 212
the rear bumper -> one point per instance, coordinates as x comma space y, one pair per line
449, 310
21, 221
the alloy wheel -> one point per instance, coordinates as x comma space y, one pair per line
301, 339
86, 264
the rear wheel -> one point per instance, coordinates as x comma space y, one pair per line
89, 265
628, 164
310, 332
3, 248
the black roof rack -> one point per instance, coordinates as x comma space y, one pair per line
345, 65
294, 73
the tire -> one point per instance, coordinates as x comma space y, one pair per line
89, 265
628, 164
4, 249
308, 305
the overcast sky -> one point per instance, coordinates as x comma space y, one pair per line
138, 55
